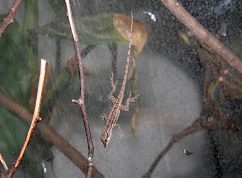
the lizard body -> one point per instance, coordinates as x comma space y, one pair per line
113, 116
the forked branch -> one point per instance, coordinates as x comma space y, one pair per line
50, 135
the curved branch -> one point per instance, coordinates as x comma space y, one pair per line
195, 127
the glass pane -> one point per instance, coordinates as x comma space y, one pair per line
184, 115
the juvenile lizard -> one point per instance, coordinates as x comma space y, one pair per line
111, 120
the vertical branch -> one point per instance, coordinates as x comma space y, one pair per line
34, 122
9, 19
81, 100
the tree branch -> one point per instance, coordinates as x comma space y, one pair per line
195, 127
81, 100
3, 162
50, 134
9, 19
34, 122
203, 34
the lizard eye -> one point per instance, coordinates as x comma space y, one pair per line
104, 140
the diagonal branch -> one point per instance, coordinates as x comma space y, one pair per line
81, 100
3, 162
35, 119
50, 134
203, 34
9, 19
195, 127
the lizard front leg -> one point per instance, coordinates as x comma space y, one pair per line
104, 117
110, 96
129, 100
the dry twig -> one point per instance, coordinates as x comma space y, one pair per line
195, 127
50, 134
203, 34
81, 100
9, 19
3, 162
34, 122
206, 120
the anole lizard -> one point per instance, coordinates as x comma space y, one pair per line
111, 120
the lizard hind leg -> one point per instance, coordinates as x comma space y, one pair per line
104, 117
129, 100
112, 83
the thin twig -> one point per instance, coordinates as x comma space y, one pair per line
195, 127
211, 118
3, 162
81, 100
9, 19
86, 50
50, 134
203, 34
35, 119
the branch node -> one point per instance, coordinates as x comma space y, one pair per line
210, 119
11, 10
34, 121
220, 79
90, 164
79, 101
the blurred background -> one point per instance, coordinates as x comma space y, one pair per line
168, 76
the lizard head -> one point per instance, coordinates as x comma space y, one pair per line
105, 138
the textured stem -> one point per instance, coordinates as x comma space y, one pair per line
81, 100
9, 19
50, 134
34, 122
203, 34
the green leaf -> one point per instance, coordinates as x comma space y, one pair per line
16, 73
92, 30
